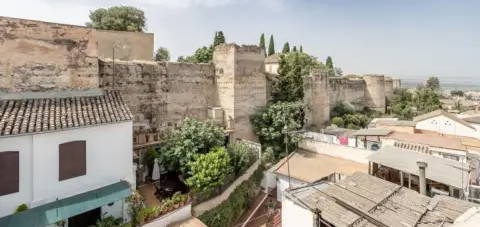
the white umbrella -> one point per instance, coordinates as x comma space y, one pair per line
156, 171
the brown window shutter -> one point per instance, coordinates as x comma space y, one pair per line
72, 160
9, 172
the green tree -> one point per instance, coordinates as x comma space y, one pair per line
241, 157
162, 54
301, 49
433, 83
218, 39
202, 55
271, 46
272, 123
294, 49
120, 18
407, 105
338, 121
293, 67
459, 93
329, 65
208, 171
286, 48
262, 43
192, 138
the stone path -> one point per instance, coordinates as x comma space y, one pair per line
148, 193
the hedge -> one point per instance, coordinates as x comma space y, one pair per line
238, 202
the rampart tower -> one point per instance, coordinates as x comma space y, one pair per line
317, 111
241, 85
375, 92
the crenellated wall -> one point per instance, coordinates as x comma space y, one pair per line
375, 92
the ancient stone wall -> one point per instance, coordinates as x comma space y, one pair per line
161, 94
388, 89
316, 99
126, 45
42, 56
375, 92
347, 90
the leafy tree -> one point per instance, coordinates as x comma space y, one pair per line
407, 105
286, 48
294, 49
202, 55
301, 49
241, 157
338, 121
262, 43
183, 144
149, 159
293, 67
208, 171
162, 54
271, 46
218, 39
272, 123
433, 83
426, 100
459, 93
120, 18
329, 65
341, 109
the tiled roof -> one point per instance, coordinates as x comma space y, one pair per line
24, 116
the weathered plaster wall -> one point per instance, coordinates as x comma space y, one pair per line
161, 94
42, 56
128, 45
346, 90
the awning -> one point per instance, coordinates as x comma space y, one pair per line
64, 208
441, 170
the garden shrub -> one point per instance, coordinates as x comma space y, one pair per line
241, 157
21, 208
237, 203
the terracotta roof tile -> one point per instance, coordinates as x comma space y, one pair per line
25, 116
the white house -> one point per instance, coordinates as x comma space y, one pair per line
272, 63
447, 123
68, 159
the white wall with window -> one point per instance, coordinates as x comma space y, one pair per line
108, 161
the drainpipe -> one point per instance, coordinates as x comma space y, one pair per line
421, 175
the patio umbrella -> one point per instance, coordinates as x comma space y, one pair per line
156, 171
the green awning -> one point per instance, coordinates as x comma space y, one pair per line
64, 208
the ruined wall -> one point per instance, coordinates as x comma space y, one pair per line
351, 91
224, 61
128, 45
42, 56
375, 92
161, 94
316, 99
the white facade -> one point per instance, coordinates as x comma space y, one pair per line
108, 161
271, 68
335, 150
293, 215
283, 184
445, 125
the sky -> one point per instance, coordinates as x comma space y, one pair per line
400, 38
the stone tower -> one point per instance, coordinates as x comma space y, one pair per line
317, 112
241, 85
389, 88
375, 92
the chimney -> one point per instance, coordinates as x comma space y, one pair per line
421, 175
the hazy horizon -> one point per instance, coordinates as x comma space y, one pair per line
407, 39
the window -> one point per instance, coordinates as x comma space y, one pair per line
72, 160
9, 172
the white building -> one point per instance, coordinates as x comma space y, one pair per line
447, 123
364, 200
272, 63
66, 158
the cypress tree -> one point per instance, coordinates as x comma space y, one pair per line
329, 65
286, 48
218, 39
301, 49
294, 49
271, 46
262, 43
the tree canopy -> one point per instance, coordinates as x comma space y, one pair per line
183, 144
408, 104
293, 67
204, 54
433, 83
218, 39
162, 54
329, 65
262, 43
286, 48
119, 18
271, 46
